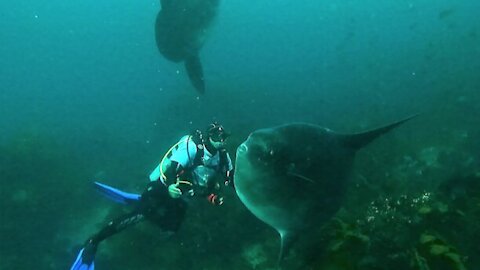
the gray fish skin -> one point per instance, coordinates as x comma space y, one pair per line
294, 176
180, 31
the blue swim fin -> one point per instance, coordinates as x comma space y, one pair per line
117, 195
81, 263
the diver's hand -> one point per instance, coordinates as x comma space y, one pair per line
174, 191
215, 199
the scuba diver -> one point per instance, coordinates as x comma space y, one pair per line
196, 166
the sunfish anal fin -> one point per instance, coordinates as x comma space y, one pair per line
287, 238
195, 73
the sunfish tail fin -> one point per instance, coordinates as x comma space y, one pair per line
359, 140
195, 73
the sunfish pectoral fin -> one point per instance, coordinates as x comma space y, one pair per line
359, 140
195, 73
301, 177
287, 238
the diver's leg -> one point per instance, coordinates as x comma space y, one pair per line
115, 226
85, 259
150, 202
161, 209
155, 205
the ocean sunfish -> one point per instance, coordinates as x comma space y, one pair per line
294, 176
180, 31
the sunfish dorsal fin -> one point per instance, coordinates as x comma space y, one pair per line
359, 140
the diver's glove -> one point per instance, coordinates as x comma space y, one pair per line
174, 191
215, 199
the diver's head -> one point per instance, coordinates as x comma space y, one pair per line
216, 135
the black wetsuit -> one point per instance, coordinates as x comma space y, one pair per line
155, 205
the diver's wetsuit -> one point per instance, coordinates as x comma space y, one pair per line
155, 203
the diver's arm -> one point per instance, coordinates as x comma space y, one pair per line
228, 177
214, 194
215, 199
172, 173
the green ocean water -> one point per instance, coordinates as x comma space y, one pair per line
85, 95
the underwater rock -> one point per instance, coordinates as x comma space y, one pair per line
436, 253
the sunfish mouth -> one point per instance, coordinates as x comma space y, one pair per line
243, 148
